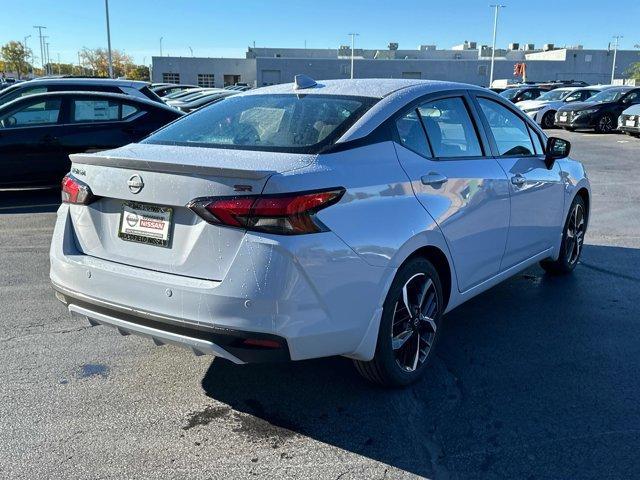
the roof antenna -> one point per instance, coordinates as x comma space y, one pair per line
303, 81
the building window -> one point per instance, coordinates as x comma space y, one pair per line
230, 80
170, 78
206, 80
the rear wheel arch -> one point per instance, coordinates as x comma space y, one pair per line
441, 263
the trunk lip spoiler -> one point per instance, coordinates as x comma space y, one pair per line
166, 167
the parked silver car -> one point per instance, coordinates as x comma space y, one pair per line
304, 220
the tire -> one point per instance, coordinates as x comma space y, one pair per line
605, 124
548, 120
572, 240
395, 364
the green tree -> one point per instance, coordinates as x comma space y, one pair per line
633, 71
138, 72
15, 57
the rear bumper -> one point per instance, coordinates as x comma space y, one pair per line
311, 293
225, 343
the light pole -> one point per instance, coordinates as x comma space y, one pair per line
191, 50
615, 52
496, 7
161, 45
48, 59
353, 44
106, 8
40, 27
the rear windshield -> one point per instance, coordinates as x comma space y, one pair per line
285, 122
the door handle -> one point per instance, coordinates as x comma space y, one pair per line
518, 180
433, 178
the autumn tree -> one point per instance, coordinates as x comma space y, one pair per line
15, 57
633, 71
97, 60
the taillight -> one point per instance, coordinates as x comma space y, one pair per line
76, 192
288, 214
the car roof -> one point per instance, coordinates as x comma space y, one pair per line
103, 95
361, 87
89, 81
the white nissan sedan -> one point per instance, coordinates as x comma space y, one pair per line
304, 220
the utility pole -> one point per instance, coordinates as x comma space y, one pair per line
26, 51
40, 27
161, 45
496, 7
353, 44
615, 52
106, 7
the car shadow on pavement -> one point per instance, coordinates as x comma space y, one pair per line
29, 200
536, 378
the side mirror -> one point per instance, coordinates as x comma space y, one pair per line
557, 148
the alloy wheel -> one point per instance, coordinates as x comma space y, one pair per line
606, 124
413, 329
575, 234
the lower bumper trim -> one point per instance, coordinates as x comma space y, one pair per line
225, 343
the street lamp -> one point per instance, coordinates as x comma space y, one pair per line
496, 7
106, 7
353, 44
615, 52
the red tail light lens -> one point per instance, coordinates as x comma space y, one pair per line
76, 192
289, 214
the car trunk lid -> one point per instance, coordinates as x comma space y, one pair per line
156, 182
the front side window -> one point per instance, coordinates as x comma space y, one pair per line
285, 122
412, 134
40, 113
449, 128
632, 98
509, 130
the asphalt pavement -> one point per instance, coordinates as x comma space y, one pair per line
538, 378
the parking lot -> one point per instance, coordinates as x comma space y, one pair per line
537, 378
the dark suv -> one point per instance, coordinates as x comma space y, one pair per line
108, 85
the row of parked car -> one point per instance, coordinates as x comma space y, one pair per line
601, 108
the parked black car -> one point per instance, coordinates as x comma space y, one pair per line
79, 84
38, 132
519, 94
600, 112
163, 90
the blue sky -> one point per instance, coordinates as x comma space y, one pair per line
227, 27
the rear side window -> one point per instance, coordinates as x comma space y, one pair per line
100, 110
284, 122
449, 128
412, 134
510, 132
94, 110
